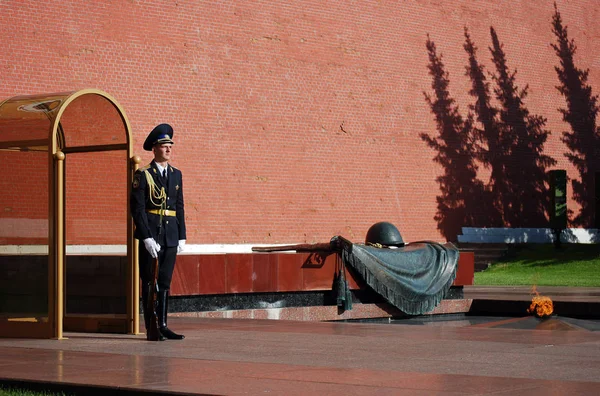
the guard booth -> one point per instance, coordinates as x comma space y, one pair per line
67, 172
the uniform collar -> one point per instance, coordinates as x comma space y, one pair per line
158, 167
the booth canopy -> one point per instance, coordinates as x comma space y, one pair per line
63, 121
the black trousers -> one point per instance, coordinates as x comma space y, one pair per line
166, 265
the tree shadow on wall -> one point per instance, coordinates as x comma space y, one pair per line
491, 148
461, 191
506, 139
583, 139
526, 198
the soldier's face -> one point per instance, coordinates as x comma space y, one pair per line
162, 152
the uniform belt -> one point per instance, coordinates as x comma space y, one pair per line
164, 212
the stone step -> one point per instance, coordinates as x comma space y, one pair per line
473, 245
478, 267
527, 235
489, 255
485, 253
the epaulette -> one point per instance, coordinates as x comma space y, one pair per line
143, 168
173, 167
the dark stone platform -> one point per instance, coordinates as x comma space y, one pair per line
460, 354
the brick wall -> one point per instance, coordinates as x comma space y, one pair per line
294, 121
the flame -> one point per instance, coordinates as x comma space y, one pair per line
541, 306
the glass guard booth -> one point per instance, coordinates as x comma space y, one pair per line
67, 257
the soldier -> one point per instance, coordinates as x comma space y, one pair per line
158, 213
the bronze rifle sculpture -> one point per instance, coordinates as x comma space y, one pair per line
153, 332
336, 244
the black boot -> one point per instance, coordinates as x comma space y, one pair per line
162, 311
152, 334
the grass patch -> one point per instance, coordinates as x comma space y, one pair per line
10, 391
574, 265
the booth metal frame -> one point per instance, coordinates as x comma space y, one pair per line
53, 107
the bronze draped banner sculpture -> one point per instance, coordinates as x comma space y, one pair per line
413, 278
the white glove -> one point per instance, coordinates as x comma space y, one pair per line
152, 247
181, 245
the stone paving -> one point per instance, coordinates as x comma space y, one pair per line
459, 354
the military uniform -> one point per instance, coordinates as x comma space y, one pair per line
157, 208
147, 212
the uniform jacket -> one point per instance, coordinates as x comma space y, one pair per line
147, 225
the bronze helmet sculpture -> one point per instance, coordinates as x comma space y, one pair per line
384, 233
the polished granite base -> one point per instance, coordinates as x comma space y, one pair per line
240, 301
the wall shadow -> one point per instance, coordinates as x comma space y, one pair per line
526, 197
490, 148
583, 138
461, 191
506, 138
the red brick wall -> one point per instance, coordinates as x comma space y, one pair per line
294, 121
24, 198
103, 219
96, 182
